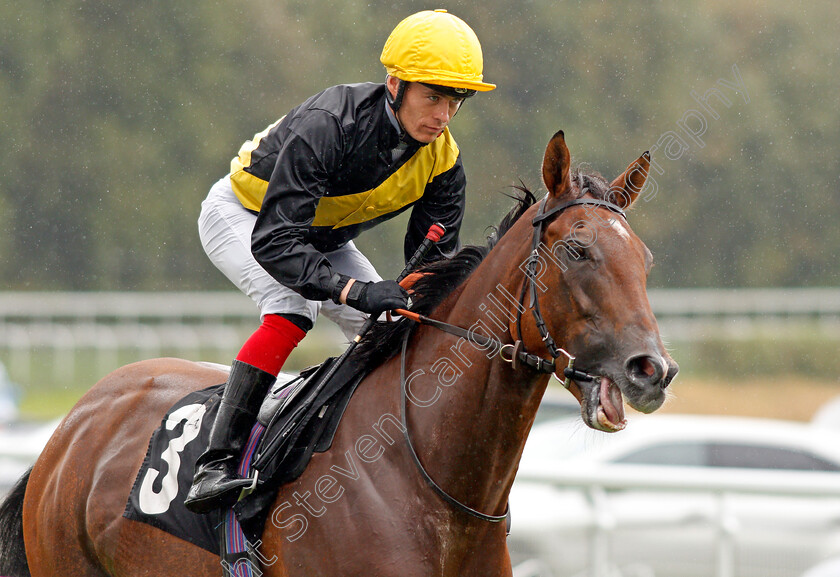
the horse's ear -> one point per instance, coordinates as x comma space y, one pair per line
555, 166
626, 188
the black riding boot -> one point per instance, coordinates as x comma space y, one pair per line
216, 484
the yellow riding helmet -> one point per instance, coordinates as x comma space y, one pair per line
435, 47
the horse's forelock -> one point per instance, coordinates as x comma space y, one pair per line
589, 181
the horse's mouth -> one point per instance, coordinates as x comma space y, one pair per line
610, 406
602, 402
602, 407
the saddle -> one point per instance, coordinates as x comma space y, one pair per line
298, 417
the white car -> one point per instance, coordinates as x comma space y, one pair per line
830, 568
676, 496
20, 444
828, 415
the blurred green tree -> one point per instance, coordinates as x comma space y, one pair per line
118, 116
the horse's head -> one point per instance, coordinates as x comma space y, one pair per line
601, 271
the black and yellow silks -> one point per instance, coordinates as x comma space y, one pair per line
334, 167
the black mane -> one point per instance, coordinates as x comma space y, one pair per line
439, 280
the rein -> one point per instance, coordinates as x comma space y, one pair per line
426, 477
517, 354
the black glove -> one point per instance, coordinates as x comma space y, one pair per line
375, 297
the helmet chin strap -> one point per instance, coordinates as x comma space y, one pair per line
396, 103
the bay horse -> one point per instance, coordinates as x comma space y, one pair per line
366, 507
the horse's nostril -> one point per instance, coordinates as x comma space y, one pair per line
644, 370
646, 366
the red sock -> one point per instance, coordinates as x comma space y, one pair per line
271, 344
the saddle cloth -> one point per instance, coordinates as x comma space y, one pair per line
298, 417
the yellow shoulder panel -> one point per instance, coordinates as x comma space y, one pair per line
249, 189
403, 187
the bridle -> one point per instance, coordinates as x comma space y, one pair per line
569, 372
516, 354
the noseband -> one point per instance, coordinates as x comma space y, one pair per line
517, 353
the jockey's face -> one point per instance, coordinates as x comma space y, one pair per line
424, 111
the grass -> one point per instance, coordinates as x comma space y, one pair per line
42, 405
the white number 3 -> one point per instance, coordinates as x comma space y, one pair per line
153, 503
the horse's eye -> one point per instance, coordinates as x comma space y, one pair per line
577, 253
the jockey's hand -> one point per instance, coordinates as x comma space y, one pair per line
376, 297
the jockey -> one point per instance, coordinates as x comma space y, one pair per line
281, 225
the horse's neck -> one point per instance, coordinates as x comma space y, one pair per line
472, 436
